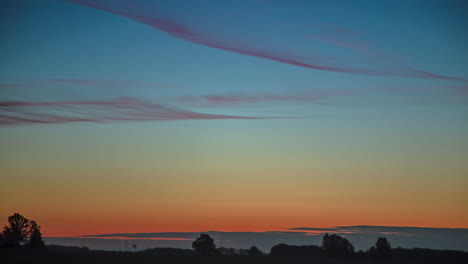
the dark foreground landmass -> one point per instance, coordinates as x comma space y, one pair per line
77, 255
21, 242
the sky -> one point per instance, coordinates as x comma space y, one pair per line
235, 116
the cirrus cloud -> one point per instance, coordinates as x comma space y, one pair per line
120, 109
143, 12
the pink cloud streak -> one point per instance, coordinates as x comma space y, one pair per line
181, 31
27, 83
120, 109
241, 99
110, 83
339, 35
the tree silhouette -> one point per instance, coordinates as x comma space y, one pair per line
35, 240
254, 251
335, 245
383, 247
21, 231
204, 245
16, 231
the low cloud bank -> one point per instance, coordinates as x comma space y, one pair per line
362, 237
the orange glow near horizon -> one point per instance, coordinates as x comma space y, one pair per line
78, 225
168, 186
149, 238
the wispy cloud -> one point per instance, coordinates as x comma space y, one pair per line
139, 12
230, 100
82, 83
353, 40
107, 83
120, 109
339, 36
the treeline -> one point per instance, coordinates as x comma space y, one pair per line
21, 233
335, 246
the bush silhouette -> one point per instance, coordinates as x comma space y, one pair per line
335, 245
204, 245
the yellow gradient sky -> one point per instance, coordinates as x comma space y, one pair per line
116, 178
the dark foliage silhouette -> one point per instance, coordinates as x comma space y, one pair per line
287, 250
335, 249
425, 255
16, 231
335, 245
35, 240
254, 251
21, 232
2, 240
383, 247
204, 245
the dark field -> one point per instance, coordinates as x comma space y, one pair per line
115, 257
